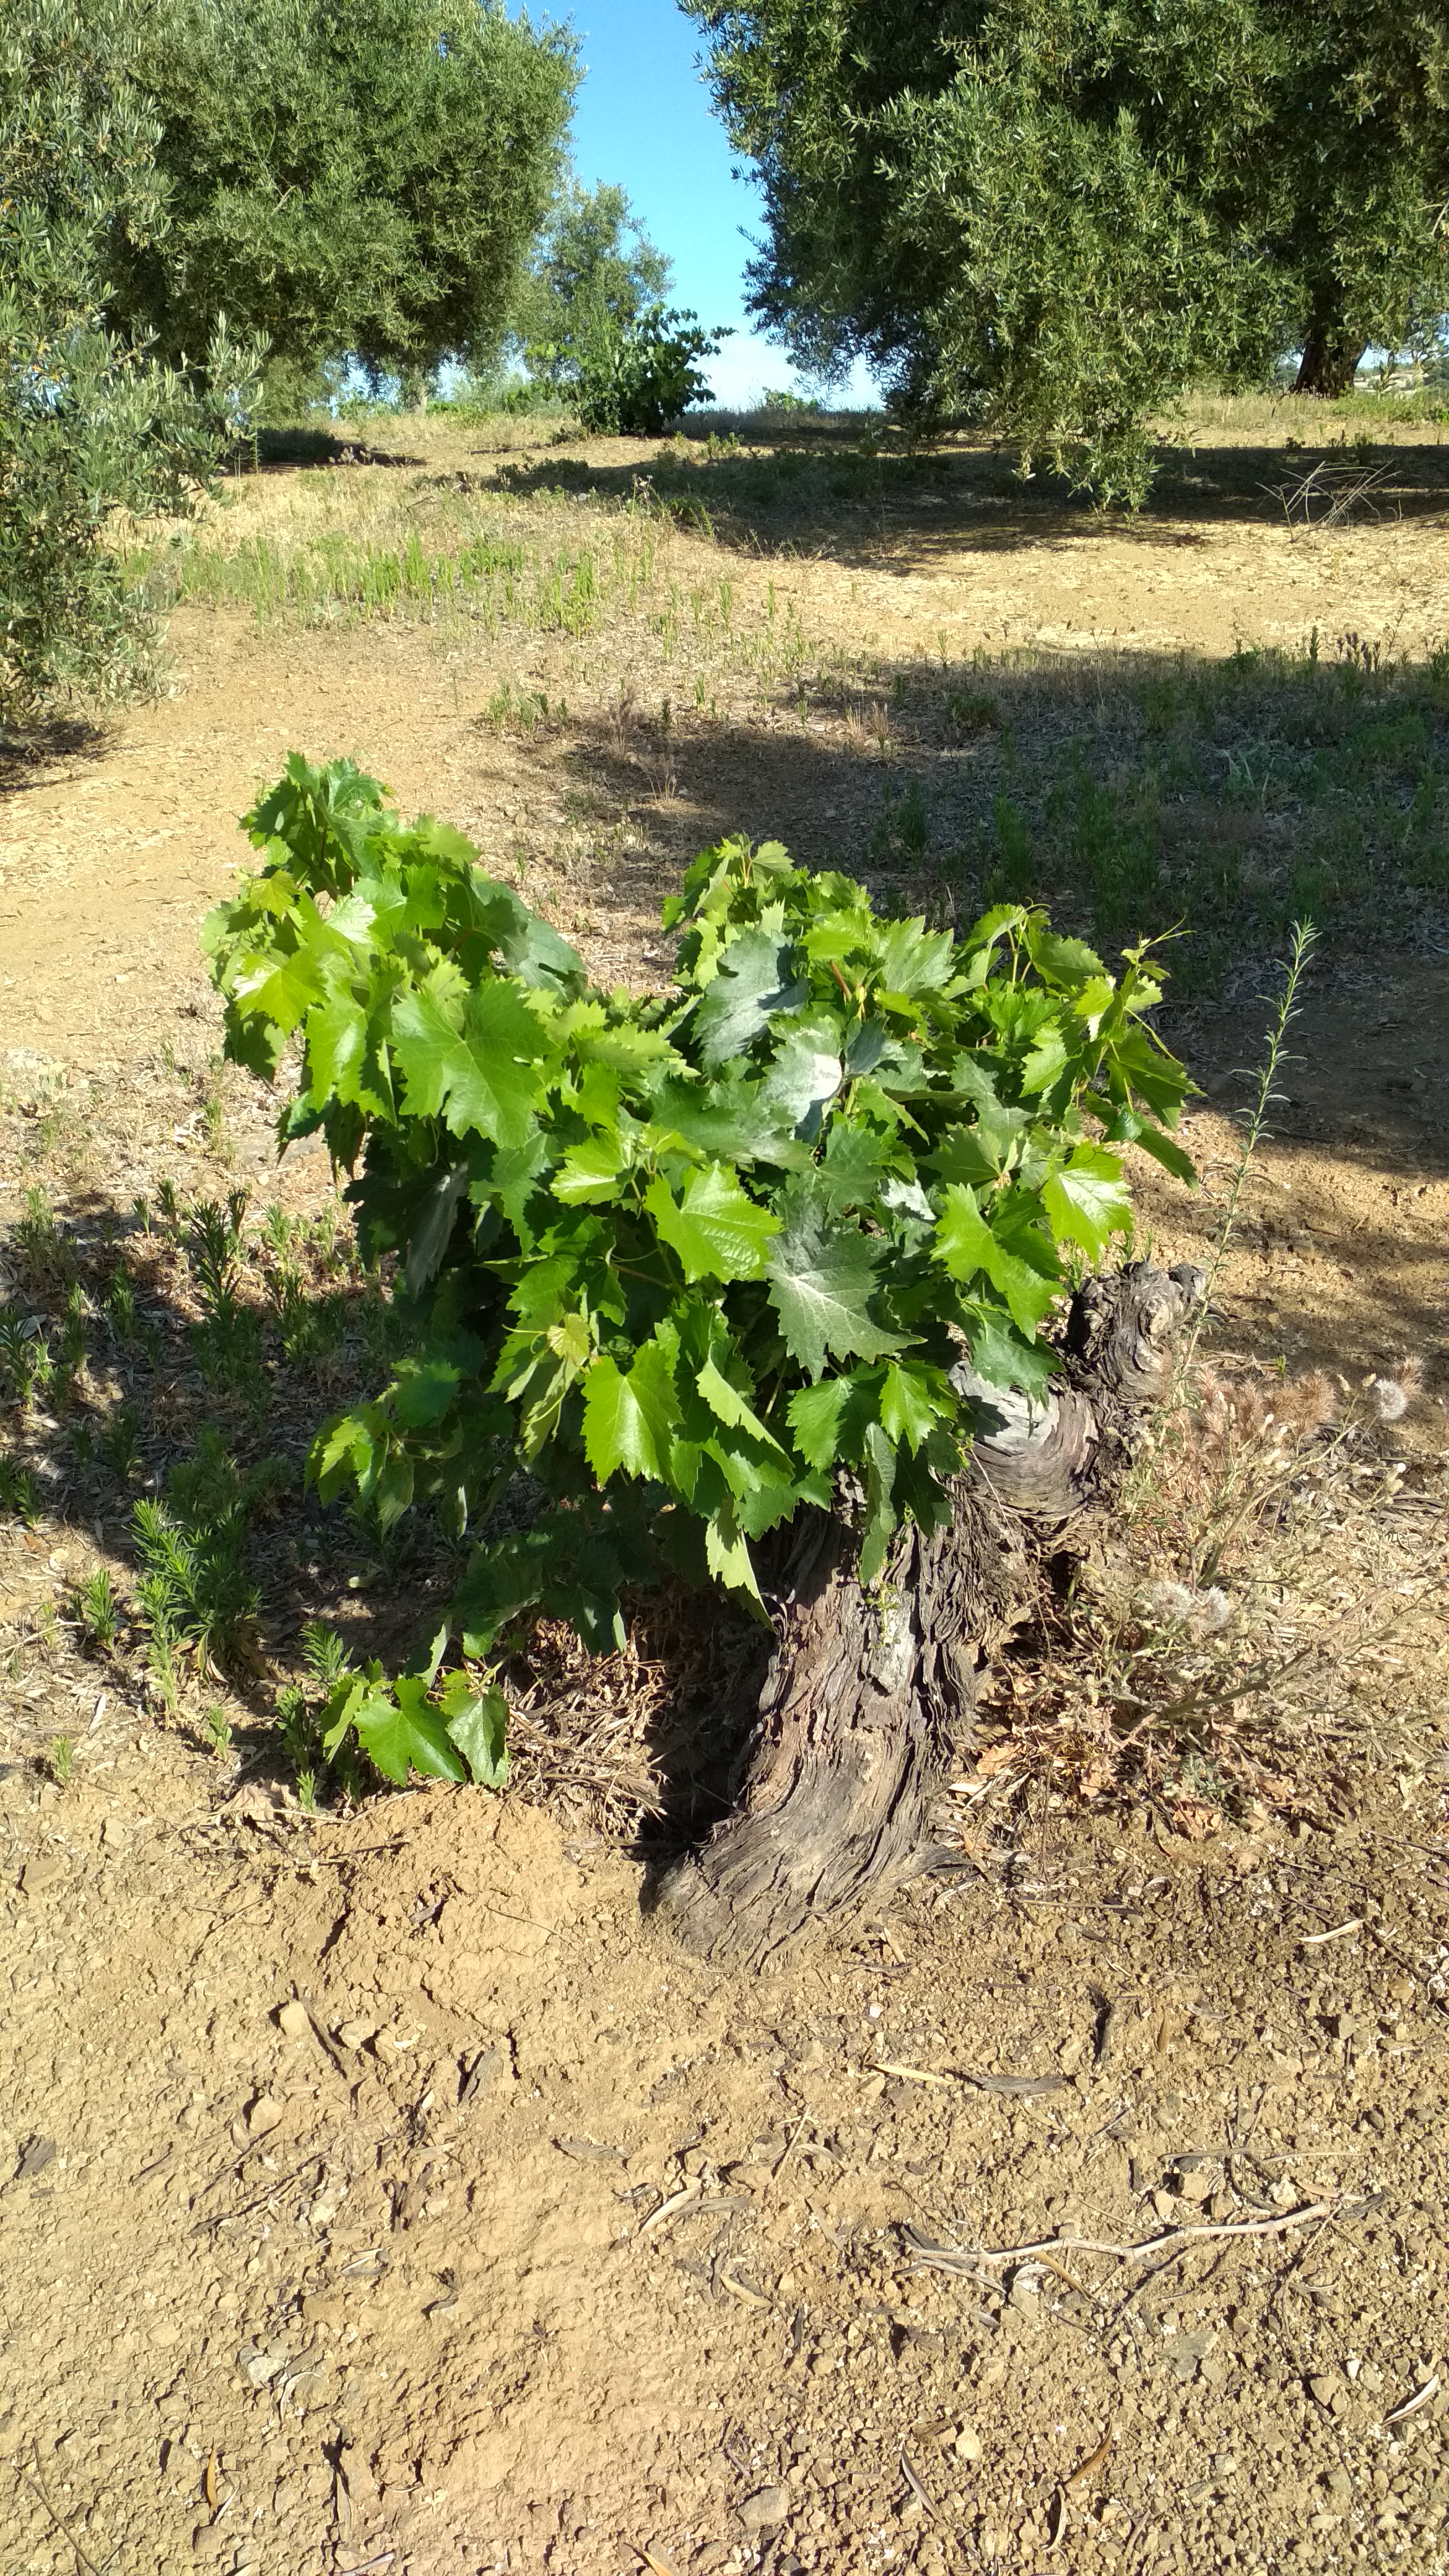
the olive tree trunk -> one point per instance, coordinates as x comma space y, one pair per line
868, 1693
1330, 360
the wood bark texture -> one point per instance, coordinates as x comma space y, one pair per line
1330, 361
868, 1694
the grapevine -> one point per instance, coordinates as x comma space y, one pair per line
693, 1262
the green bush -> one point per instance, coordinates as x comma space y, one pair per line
696, 1261
88, 425
631, 379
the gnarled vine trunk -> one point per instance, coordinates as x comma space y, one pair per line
869, 1692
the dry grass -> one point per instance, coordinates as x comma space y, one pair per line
1260, 1621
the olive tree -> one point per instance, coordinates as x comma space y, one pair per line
347, 176
1055, 215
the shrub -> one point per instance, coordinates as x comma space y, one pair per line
88, 426
764, 1240
631, 379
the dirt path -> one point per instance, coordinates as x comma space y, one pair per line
387, 2194
499, 2262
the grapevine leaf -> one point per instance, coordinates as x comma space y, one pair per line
910, 1404
626, 1423
1061, 961
718, 1232
589, 1171
399, 1732
1000, 1355
856, 1161
1046, 1060
477, 1723
528, 946
915, 960
805, 1073
821, 1278
472, 1078
829, 1421
340, 1056
1087, 1199
967, 1248
880, 1510
1127, 1128
728, 1557
729, 1407
754, 983
432, 1230
423, 1391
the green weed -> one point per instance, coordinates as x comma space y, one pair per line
19, 1492
218, 1728
100, 1611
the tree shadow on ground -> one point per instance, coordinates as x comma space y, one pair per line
276, 450
824, 489
30, 752
1126, 796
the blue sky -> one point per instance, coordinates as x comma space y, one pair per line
644, 120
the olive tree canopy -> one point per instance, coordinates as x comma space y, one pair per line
1054, 215
366, 176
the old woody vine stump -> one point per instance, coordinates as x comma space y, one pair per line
758, 1280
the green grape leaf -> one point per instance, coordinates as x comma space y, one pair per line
1127, 1128
1058, 960
822, 1275
1000, 1355
718, 1232
398, 1731
729, 1407
589, 1172
856, 1161
1046, 1060
728, 1557
830, 1420
629, 1421
806, 1072
915, 960
528, 946
753, 985
477, 1723
479, 1079
912, 1402
431, 1231
1088, 1200
966, 1247
424, 1390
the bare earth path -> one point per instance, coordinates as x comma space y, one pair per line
387, 2194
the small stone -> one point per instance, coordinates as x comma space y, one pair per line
765, 2509
1200, 2184
264, 2115
209, 2539
356, 2034
1324, 2386
392, 2044
967, 2445
38, 1874
295, 2020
